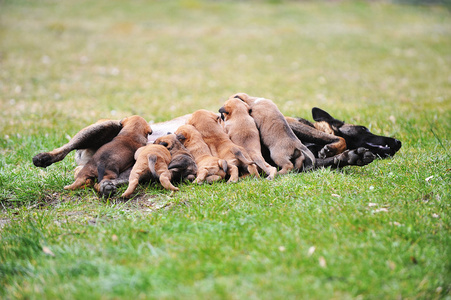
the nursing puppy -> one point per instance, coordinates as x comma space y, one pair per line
114, 157
209, 167
286, 150
207, 123
241, 128
154, 160
182, 163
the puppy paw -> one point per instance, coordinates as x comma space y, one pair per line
43, 160
107, 188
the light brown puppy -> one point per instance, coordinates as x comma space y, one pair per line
207, 123
154, 160
209, 168
241, 128
286, 150
182, 164
114, 157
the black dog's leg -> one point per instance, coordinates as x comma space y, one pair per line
326, 145
356, 157
91, 137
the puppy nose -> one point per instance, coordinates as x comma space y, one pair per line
398, 143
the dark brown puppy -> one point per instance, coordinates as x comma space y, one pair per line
114, 157
286, 150
241, 128
207, 123
153, 159
182, 163
209, 167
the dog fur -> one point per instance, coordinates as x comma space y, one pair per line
114, 157
241, 128
154, 160
207, 123
182, 165
209, 167
286, 150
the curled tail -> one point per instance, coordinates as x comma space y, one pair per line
152, 159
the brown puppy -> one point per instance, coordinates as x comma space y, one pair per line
207, 123
241, 128
182, 163
209, 168
153, 159
276, 134
114, 157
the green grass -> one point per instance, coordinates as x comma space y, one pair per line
382, 231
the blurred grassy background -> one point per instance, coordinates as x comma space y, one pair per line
69, 63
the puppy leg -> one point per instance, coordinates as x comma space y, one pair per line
133, 180
299, 162
286, 166
213, 178
201, 175
78, 183
233, 172
252, 169
270, 171
165, 180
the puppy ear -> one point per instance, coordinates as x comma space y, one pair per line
320, 115
238, 97
222, 110
123, 121
180, 137
247, 106
163, 144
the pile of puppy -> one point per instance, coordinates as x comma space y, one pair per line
207, 148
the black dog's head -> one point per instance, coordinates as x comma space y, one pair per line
358, 136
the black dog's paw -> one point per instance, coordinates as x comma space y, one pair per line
326, 151
43, 160
107, 188
356, 157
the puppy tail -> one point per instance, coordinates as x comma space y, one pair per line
223, 165
240, 156
100, 172
152, 159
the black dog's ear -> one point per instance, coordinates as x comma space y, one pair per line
320, 115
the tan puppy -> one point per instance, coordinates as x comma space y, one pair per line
114, 157
207, 123
153, 159
209, 168
285, 148
241, 128
182, 163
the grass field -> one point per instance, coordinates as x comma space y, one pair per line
382, 231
